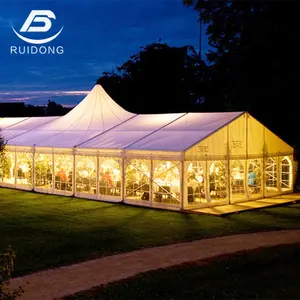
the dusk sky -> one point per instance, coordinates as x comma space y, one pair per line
96, 36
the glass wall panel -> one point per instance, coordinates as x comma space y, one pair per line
110, 177
7, 168
195, 183
63, 169
137, 179
238, 191
24, 168
286, 174
271, 175
166, 182
218, 182
86, 174
43, 170
254, 178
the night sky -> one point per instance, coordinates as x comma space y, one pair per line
97, 36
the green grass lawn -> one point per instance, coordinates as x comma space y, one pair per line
271, 273
49, 231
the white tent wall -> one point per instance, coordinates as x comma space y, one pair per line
251, 147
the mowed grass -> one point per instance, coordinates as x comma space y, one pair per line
271, 273
49, 231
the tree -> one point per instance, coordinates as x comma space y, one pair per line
254, 59
158, 79
6, 268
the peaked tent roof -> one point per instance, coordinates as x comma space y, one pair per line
99, 122
96, 113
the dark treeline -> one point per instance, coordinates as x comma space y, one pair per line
20, 109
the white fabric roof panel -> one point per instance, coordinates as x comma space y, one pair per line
7, 122
184, 132
25, 126
96, 113
131, 131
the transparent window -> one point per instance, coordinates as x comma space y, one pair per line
195, 183
110, 177
271, 174
237, 177
63, 169
7, 168
254, 177
286, 173
166, 180
24, 168
86, 174
137, 180
43, 170
218, 180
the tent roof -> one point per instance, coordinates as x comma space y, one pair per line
25, 125
7, 122
130, 131
99, 122
185, 131
96, 113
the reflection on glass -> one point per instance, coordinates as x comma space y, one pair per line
86, 174
63, 168
195, 183
271, 175
237, 178
24, 168
286, 174
110, 178
43, 170
166, 185
218, 180
137, 180
254, 177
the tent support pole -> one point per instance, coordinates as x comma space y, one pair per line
151, 182
33, 168
123, 177
53, 171
97, 176
182, 185
74, 173
228, 168
15, 171
247, 164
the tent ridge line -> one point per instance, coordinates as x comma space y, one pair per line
99, 134
26, 118
224, 125
184, 114
32, 129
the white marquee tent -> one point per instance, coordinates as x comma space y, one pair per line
176, 161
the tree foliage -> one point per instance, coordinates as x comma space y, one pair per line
6, 268
159, 78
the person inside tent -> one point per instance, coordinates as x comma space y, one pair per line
61, 179
252, 180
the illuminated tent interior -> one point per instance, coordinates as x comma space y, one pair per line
175, 161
